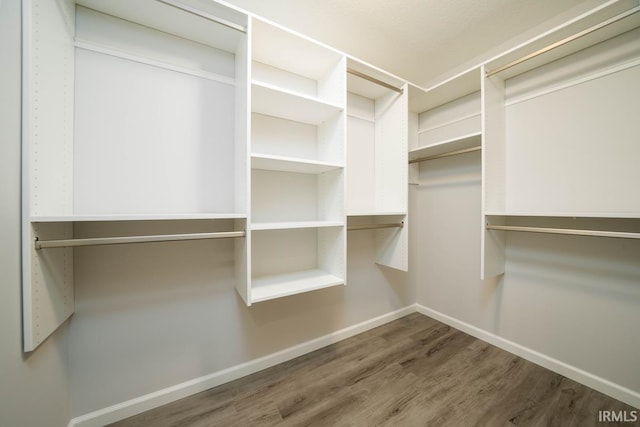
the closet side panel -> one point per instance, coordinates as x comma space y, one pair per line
48, 91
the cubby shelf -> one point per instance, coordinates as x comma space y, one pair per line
278, 102
291, 164
258, 226
455, 144
277, 286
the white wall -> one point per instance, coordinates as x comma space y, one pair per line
574, 299
155, 315
34, 389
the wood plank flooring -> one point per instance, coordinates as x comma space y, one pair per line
414, 371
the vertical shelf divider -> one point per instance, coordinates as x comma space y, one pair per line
493, 242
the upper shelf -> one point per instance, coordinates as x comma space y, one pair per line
172, 17
274, 101
280, 48
136, 217
288, 225
605, 22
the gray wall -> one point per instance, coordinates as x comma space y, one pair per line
34, 389
155, 315
572, 298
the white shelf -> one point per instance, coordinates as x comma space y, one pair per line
537, 52
270, 287
610, 215
164, 17
278, 102
291, 164
261, 226
135, 217
376, 213
424, 99
447, 146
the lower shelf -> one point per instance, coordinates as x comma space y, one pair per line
277, 286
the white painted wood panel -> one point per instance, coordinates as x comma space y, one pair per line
166, 18
150, 140
576, 149
129, 38
290, 164
361, 156
47, 159
391, 153
492, 243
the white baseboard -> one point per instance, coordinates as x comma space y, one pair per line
140, 404
602, 385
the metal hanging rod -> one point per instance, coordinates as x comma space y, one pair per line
375, 226
573, 232
451, 153
565, 41
205, 15
374, 80
43, 244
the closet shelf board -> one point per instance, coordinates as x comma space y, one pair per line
262, 226
447, 146
291, 164
277, 286
135, 217
278, 102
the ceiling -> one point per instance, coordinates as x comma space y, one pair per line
418, 40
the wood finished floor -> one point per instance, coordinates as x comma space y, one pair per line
414, 371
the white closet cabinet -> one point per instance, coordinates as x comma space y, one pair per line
133, 111
297, 150
377, 139
555, 119
561, 129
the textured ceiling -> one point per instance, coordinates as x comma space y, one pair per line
419, 40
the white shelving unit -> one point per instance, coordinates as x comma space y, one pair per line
130, 123
446, 117
377, 141
534, 128
297, 219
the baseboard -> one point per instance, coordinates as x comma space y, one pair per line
602, 385
140, 404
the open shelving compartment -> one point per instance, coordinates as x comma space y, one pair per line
446, 117
533, 127
129, 124
297, 220
377, 141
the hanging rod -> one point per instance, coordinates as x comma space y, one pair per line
375, 226
374, 80
43, 244
205, 15
565, 41
573, 232
451, 153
